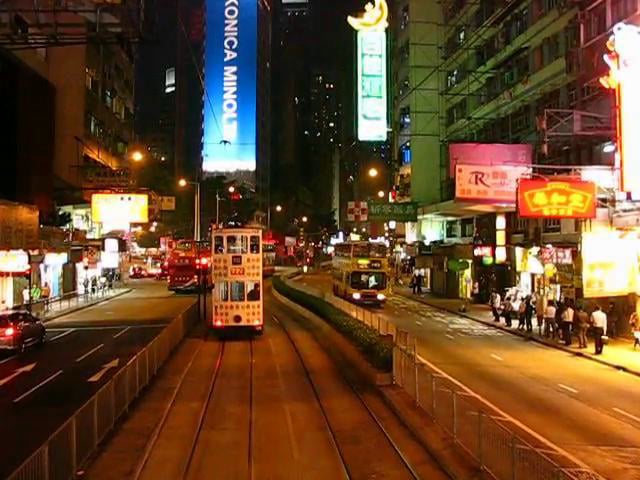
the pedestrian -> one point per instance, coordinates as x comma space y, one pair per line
557, 322
476, 292
528, 313
507, 309
541, 305
46, 293
522, 309
612, 319
567, 323
495, 305
26, 296
94, 285
581, 322
599, 322
419, 281
634, 321
549, 319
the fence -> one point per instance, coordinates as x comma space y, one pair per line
72, 444
485, 435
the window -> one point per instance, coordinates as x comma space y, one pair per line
405, 118
551, 225
237, 291
621, 9
223, 291
368, 280
237, 244
108, 99
170, 80
597, 21
255, 244
404, 17
254, 291
521, 225
218, 243
452, 229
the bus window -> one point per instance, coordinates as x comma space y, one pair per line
378, 250
254, 291
255, 244
237, 291
223, 291
361, 251
219, 244
368, 280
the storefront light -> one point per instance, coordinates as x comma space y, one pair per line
501, 237
501, 221
501, 254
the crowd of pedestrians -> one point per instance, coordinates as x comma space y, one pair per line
559, 321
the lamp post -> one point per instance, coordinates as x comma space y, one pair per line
196, 223
278, 208
231, 189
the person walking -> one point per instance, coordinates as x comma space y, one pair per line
541, 305
414, 282
581, 322
599, 322
46, 293
419, 281
634, 321
495, 305
567, 324
507, 310
522, 309
528, 314
549, 319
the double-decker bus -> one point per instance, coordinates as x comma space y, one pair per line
185, 263
268, 258
360, 272
237, 279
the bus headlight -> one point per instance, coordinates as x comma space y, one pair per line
356, 296
381, 296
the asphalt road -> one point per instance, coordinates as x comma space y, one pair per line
41, 388
246, 407
587, 409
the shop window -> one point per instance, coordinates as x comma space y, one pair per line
467, 227
452, 229
170, 80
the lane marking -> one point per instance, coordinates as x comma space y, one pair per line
25, 369
497, 357
68, 332
41, 384
105, 368
7, 359
515, 422
122, 332
567, 388
451, 337
626, 414
90, 352
418, 323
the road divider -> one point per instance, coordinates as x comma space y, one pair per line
67, 450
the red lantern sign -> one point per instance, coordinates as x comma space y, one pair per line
556, 199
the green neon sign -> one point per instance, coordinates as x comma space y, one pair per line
372, 86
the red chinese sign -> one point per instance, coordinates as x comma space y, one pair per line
556, 199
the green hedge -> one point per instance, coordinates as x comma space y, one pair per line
378, 352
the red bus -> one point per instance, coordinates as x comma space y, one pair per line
184, 262
268, 258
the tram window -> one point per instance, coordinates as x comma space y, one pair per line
223, 291
237, 291
218, 243
255, 244
254, 291
237, 244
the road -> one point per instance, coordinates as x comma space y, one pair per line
40, 389
587, 409
275, 406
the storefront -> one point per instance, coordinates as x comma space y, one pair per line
51, 273
14, 277
550, 270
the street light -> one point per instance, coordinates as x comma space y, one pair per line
137, 156
196, 223
373, 172
278, 208
232, 189
305, 219
380, 194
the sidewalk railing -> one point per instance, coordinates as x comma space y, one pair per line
487, 436
70, 446
52, 306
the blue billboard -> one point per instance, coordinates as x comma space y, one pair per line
230, 63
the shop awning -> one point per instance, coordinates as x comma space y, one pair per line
455, 209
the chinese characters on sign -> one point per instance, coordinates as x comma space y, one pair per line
623, 60
549, 199
489, 183
400, 212
357, 212
372, 86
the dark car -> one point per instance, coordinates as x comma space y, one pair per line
20, 329
138, 272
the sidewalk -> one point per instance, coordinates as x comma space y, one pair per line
618, 353
59, 308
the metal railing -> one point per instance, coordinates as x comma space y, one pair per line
487, 436
70, 446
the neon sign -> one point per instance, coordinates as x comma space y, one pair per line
553, 199
623, 60
372, 71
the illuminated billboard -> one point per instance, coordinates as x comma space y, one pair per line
230, 69
372, 71
491, 184
556, 199
118, 210
624, 64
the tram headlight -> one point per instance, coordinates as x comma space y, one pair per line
356, 296
381, 296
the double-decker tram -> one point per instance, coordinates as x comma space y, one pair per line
360, 272
237, 279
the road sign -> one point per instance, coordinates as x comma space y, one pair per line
400, 212
168, 203
357, 212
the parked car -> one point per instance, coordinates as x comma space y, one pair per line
138, 272
20, 329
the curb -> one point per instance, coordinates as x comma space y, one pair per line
85, 306
517, 333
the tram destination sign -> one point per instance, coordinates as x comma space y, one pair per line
400, 212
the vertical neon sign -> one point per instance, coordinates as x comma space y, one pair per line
372, 71
623, 60
230, 72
